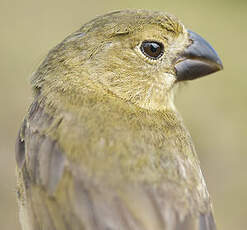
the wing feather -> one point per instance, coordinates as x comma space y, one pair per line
54, 193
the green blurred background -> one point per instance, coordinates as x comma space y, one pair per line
214, 107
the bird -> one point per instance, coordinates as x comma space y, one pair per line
102, 146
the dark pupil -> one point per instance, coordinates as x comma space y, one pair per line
152, 49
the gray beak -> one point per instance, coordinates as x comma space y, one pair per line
198, 60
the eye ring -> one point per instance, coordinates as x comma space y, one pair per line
152, 49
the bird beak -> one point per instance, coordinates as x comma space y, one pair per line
197, 60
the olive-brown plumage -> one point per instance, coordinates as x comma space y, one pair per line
102, 146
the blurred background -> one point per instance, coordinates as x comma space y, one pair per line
214, 108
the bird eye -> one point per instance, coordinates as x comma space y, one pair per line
152, 49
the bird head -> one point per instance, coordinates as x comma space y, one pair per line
136, 55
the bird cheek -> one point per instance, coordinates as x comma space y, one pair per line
169, 80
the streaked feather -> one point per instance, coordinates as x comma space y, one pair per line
57, 194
